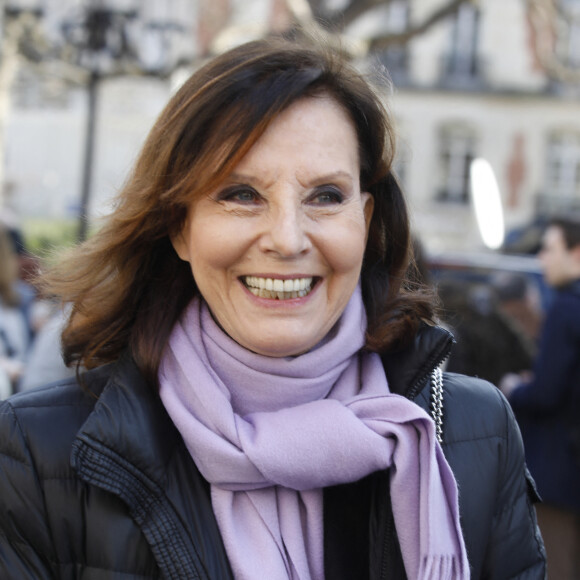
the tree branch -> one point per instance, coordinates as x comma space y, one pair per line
316, 17
444, 11
355, 9
544, 16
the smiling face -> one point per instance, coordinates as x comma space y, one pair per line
276, 250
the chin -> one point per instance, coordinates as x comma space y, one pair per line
280, 352
279, 338
278, 349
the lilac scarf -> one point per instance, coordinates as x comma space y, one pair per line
269, 433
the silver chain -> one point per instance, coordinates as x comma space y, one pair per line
437, 402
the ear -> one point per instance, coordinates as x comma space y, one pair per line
368, 207
179, 244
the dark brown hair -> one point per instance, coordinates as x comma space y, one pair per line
570, 228
127, 285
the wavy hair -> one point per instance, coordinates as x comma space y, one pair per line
126, 283
570, 228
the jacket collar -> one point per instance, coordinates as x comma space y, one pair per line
409, 369
129, 419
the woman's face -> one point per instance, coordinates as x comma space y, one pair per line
276, 250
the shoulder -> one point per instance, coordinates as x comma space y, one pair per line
37, 430
481, 437
39, 425
483, 446
44, 505
474, 407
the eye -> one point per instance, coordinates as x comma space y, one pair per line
327, 196
239, 194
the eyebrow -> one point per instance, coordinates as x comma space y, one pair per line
321, 179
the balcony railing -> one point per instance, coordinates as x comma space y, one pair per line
461, 71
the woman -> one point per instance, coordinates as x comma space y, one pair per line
253, 356
13, 327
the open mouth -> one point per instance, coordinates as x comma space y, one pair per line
277, 289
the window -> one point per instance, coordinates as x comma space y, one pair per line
461, 63
32, 90
568, 45
562, 184
456, 151
395, 57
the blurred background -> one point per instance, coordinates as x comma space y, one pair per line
485, 95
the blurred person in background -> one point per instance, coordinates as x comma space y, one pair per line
520, 301
547, 402
259, 373
45, 363
489, 344
43, 316
27, 270
14, 335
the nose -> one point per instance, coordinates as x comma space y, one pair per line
286, 231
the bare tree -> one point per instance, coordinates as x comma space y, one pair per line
92, 46
317, 13
19, 33
550, 20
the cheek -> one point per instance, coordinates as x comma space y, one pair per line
345, 248
211, 249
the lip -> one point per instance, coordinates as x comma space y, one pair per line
289, 302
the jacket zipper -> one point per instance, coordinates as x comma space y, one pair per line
431, 365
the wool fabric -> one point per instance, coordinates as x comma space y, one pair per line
269, 434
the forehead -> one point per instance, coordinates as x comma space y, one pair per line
317, 126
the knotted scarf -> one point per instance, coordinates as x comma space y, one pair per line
269, 434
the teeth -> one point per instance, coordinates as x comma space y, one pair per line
275, 288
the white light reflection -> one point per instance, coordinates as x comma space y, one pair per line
487, 203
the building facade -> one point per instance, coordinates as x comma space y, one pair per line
475, 85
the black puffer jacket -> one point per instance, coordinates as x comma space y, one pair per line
98, 484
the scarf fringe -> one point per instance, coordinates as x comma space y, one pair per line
442, 567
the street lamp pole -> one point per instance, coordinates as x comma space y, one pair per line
92, 92
99, 38
95, 28
104, 48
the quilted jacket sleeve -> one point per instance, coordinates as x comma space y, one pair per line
25, 542
515, 549
483, 446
